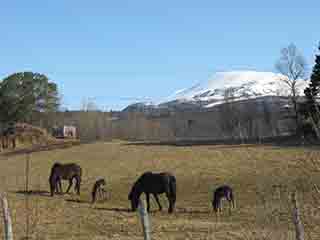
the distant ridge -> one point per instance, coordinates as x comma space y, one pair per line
222, 86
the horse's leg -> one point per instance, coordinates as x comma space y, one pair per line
60, 187
78, 182
105, 194
14, 142
56, 186
170, 210
70, 184
157, 199
232, 201
52, 187
218, 206
100, 193
148, 201
5, 142
230, 206
93, 196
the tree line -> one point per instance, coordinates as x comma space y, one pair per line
24, 95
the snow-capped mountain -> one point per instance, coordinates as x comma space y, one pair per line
235, 85
232, 86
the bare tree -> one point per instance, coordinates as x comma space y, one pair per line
292, 66
88, 104
229, 114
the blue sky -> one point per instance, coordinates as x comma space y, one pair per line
116, 51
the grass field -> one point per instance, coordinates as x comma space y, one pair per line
263, 178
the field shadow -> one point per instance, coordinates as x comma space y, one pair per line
155, 211
282, 141
192, 211
126, 210
33, 193
77, 201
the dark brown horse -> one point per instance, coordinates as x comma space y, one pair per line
68, 172
154, 183
222, 192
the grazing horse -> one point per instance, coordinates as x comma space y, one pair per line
67, 171
154, 183
99, 190
220, 193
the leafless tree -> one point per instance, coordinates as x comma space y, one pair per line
88, 104
292, 66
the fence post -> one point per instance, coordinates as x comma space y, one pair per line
296, 218
27, 171
6, 218
144, 220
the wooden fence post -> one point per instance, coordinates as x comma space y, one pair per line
144, 220
297, 217
6, 218
27, 173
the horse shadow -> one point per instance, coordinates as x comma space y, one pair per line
191, 211
120, 210
33, 193
78, 201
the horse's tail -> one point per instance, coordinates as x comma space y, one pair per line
173, 190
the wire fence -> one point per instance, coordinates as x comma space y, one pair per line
32, 227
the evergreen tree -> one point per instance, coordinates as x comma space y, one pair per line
313, 90
22, 94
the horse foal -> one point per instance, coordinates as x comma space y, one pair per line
98, 190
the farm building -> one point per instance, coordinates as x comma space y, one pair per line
64, 132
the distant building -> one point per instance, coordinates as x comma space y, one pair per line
64, 132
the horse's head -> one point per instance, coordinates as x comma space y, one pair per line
134, 197
103, 182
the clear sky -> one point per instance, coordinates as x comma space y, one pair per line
116, 51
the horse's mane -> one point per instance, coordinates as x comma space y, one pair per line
134, 189
136, 186
56, 164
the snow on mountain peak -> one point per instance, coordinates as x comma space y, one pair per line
231, 86
244, 84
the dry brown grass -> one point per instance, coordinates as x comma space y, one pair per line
262, 177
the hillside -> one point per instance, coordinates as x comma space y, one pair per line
222, 87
